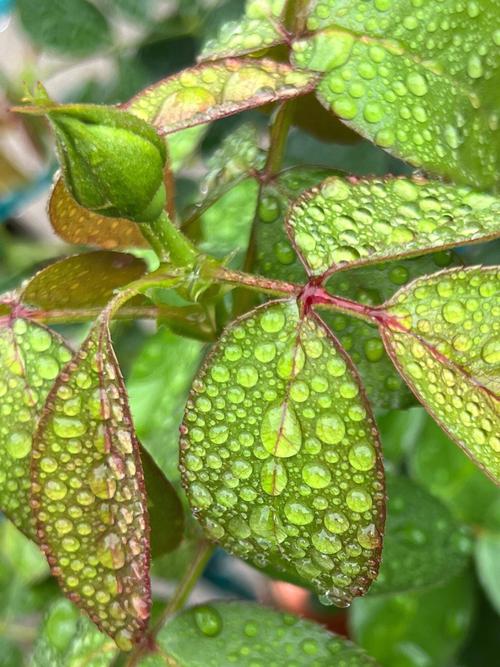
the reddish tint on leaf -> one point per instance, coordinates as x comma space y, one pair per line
210, 91
88, 492
442, 332
79, 226
82, 281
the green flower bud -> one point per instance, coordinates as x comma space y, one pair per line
112, 162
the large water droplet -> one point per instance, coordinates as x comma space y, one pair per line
280, 431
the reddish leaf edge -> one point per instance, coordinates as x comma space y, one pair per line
347, 266
384, 322
102, 322
305, 307
230, 108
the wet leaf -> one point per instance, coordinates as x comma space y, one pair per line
215, 90
415, 629
82, 281
158, 386
77, 225
280, 456
259, 29
439, 466
418, 79
183, 144
441, 332
88, 492
220, 634
21, 555
164, 508
31, 357
68, 639
488, 566
73, 27
346, 223
371, 285
423, 544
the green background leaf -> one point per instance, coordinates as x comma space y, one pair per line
488, 566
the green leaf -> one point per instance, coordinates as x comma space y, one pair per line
439, 466
280, 455
400, 432
82, 281
487, 555
164, 508
158, 387
423, 544
415, 629
77, 225
181, 145
257, 30
441, 332
221, 634
214, 90
88, 492
419, 79
20, 555
68, 639
344, 223
72, 27
31, 357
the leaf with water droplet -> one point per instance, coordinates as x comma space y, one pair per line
419, 79
258, 30
280, 456
77, 225
423, 544
219, 634
68, 639
419, 628
82, 281
346, 223
442, 332
31, 357
88, 492
209, 91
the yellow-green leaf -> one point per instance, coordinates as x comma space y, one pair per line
442, 332
31, 357
345, 223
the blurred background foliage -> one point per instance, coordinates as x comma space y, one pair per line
105, 51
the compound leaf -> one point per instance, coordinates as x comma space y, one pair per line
419, 79
73, 27
442, 333
88, 492
31, 357
220, 634
215, 90
257, 30
345, 223
280, 456
77, 225
82, 281
423, 544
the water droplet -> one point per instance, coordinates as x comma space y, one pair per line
453, 312
316, 475
298, 514
66, 427
55, 489
362, 456
280, 431
273, 477
330, 428
110, 552
208, 620
19, 444
358, 500
102, 484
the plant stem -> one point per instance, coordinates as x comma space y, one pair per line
186, 584
277, 140
258, 283
168, 242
